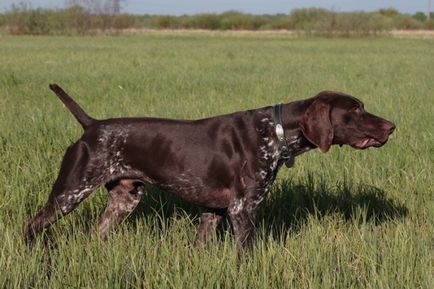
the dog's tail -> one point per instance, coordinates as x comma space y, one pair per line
83, 118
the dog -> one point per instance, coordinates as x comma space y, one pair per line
225, 164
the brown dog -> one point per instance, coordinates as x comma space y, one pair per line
224, 164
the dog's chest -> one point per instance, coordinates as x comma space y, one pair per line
268, 156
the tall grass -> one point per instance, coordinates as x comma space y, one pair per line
345, 219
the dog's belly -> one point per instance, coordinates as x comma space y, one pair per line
197, 194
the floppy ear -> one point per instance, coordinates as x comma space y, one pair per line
316, 125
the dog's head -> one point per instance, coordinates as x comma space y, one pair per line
337, 118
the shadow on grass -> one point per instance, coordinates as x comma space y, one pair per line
292, 202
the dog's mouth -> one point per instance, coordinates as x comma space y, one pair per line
367, 142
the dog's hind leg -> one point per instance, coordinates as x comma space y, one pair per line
124, 196
208, 224
74, 183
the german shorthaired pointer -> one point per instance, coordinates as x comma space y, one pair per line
225, 164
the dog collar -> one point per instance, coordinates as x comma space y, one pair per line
280, 133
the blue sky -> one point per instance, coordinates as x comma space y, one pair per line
177, 7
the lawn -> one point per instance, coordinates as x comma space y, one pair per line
345, 219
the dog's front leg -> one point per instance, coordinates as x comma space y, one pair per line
242, 216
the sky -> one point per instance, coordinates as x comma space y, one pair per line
178, 7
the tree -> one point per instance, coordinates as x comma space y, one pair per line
98, 6
420, 16
388, 12
116, 6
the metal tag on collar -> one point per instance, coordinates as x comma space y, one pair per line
286, 156
279, 132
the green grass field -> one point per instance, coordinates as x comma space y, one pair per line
345, 219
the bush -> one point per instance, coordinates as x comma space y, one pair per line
361, 23
329, 23
123, 21
2, 20
166, 21
283, 22
429, 24
309, 19
419, 16
28, 22
204, 21
72, 20
238, 21
407, 22
388, 12
77, 20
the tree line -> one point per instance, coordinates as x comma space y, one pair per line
77, 19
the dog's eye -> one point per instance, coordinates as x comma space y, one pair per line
357, 109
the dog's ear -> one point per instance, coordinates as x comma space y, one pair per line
316, 125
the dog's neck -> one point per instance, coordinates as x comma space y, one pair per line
292, 114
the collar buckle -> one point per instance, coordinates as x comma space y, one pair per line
285, 153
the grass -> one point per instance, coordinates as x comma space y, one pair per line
345, 219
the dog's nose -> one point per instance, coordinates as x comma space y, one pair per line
391, 127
